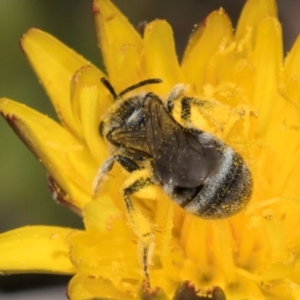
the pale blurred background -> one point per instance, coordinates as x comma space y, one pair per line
24, 197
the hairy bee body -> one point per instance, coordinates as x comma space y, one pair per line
199, 172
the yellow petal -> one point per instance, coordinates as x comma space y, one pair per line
85, 287
207, 41
130, 60
89, 102
99, 214
267, 60
67, 161
54, 64
160, 56
291, 75
292, 61
114, 33
110, 254
286, 116
35, 249
253, 12
243, 77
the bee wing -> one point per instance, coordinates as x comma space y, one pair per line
130, 137
181, 157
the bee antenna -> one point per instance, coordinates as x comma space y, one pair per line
139, 84
110, 88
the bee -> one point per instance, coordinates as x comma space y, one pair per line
198, 171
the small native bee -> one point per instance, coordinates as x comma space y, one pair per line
198, 171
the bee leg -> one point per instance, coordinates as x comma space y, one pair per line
176, 93
186, 110
141, 225
107, 165
207, 108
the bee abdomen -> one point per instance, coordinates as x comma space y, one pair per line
226, 192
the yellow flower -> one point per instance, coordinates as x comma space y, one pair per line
251, 101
